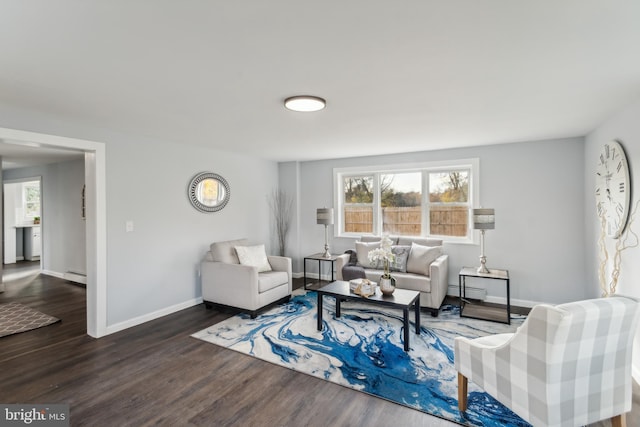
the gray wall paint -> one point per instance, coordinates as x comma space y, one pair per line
625, 127
63, 229
537, 191
156, 266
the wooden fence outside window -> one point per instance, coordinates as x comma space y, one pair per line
444, 220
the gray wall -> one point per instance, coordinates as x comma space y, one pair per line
538, 192
625, 127
155, 266
63, 229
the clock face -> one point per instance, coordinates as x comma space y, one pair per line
613, 188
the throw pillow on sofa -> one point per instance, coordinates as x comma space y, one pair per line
401, 253
421, 257
362, 252
254, 256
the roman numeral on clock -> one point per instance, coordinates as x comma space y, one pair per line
622, 187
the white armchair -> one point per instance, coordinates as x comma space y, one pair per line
228, 283
567, 365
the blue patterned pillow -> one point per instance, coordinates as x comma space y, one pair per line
402, 254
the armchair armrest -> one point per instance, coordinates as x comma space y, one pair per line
281, 263
341, 261
229, 284
439, 273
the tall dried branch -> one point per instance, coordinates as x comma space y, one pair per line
281, 205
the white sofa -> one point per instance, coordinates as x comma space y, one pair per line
230, 281
430, 278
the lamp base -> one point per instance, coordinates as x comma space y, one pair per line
326, 253
483, 265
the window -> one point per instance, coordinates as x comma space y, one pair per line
31, 199
449, 203
390, 200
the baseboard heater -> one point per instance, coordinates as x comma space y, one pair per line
74, 276
471, 293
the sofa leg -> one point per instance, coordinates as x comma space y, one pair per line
253, 314
208, 305
435, 312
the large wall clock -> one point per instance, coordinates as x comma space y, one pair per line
613, 188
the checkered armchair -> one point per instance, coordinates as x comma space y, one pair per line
567, 365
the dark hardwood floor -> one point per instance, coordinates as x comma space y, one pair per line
156, 374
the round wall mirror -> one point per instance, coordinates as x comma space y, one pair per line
208, 192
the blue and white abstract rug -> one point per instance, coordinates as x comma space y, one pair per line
363, 350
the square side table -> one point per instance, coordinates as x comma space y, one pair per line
476, 311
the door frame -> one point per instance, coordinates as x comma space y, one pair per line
96, 215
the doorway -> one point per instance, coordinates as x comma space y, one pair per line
95, 204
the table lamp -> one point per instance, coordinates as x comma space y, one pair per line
483, 219
324, 216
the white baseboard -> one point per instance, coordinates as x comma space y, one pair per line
152, 316
471, 292
316, 276
516, 302
76, 277
52, 273
481, 294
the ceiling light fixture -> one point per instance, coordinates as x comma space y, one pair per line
305, 103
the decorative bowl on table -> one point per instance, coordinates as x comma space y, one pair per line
363, 287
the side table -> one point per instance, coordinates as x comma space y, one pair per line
483, 312
320, 258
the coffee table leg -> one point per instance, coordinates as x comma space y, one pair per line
417, 319
338, 301
319, 316
406, 328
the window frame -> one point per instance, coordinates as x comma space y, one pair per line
472, 165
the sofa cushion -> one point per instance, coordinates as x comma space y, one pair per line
254, 256
414, 282
272, 279
421, 257
225, 251
362, 252
401, 256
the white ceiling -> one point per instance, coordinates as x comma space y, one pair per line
398, 76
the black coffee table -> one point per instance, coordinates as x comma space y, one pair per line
401, 298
